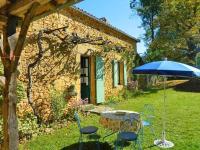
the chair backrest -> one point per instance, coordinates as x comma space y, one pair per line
76, 116
148, 113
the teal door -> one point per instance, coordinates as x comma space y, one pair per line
100, 94
115, 73
85, 78
125, 74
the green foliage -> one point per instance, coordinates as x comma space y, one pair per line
172, 28
58, 103
21, 93
114, 99
27, 126
197, 59
129, 60
1, 69
148, 11
125, 94
179, 31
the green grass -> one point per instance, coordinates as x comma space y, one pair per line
183, 123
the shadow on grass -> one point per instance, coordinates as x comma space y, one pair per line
90, 145
192, 85
151, 90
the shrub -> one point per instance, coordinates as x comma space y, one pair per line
125, 93
113, 100
27, 126
58, 104
21, 93
132, 85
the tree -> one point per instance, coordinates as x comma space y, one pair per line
10, 64
13, 13
148, 11
179, 30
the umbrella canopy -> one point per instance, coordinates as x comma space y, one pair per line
168, 68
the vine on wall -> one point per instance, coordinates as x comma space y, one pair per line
59, 45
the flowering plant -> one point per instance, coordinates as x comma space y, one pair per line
74, 105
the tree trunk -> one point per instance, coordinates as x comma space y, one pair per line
9, 113
152, 27
5, 114
12, 117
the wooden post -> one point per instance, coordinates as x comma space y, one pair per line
9, 97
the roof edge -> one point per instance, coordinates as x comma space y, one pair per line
105, 23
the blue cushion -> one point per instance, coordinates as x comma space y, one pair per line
88, 130
145, 123
127, 136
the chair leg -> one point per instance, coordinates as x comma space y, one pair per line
134, 144
116, 144
98, 145
139, 144
153, 131
80, 142
142, 134
97, 142
122, 146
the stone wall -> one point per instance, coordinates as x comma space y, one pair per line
58, 71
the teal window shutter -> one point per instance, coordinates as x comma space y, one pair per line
125, 74
100, 94
115, 73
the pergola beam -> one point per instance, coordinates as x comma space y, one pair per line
3, 20
20, 7
23, 5
51, 7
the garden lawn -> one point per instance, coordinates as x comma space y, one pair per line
182, 128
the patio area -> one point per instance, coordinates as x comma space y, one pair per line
182, 123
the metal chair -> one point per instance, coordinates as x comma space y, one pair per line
129, 136
88, 130
147, 119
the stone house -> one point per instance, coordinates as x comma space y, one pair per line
95, 72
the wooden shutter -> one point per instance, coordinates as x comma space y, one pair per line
125, 74
100, 94
115, 73
121, 74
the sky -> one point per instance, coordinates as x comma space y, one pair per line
118, 14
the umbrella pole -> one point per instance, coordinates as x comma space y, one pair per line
164, 110
163, 143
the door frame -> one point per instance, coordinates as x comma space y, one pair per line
89, 78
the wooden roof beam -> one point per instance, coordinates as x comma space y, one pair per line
50, 7
23, 6
3, 20
20, 7
2, 3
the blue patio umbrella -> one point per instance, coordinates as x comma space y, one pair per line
167, 68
